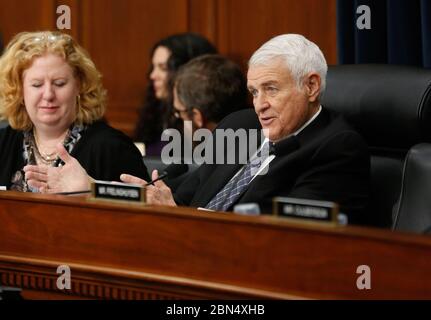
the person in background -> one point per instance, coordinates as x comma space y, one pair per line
52, 96
156, 114
207, 89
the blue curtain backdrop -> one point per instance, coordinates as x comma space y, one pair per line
400, 32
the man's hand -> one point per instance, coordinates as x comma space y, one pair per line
159, 193
68, 178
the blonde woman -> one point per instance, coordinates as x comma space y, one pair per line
51, 94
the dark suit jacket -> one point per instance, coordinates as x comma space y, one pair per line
328, 160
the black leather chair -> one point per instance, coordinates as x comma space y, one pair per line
413, 211
391, 107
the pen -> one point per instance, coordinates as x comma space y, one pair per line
73, 192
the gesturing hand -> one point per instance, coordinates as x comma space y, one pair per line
159, 193
67, 178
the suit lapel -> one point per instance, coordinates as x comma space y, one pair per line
215, 181
286, 151
217, 176
264, 183
314, 129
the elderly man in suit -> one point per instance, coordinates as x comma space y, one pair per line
314, 154
317, 155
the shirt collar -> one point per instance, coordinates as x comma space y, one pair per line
309, 121
303, 126
272, 144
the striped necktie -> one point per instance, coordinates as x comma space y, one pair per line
239, 183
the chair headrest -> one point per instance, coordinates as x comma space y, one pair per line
389, 105
413, 212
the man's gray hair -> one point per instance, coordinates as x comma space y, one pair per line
300, 55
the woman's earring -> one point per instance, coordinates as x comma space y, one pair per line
78, 101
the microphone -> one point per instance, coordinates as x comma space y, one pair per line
172, 171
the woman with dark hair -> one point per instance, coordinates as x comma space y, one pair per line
156, 113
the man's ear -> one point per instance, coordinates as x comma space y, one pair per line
312, 86
198, 118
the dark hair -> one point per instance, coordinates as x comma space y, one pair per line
155, 114
213, 84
